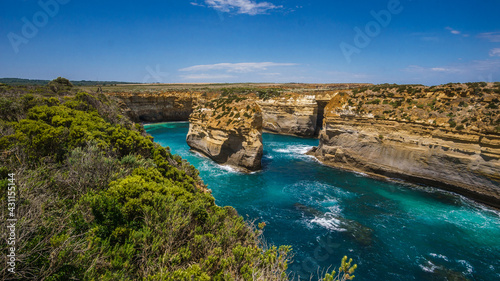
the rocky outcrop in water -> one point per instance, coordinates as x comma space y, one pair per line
158, 107
290, 115
229, 131
415, 137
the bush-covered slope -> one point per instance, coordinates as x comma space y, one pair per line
98, 200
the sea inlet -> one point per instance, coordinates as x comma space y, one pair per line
392, 230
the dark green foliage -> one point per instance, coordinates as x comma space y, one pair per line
35, 82
396, 103
452, 123
268, 94
375, 101
236, 91
492, 106
60, 85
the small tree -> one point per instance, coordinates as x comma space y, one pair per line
60, 84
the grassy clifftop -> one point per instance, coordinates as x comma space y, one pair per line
472, 107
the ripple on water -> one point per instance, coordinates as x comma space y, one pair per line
419, 233
322, 193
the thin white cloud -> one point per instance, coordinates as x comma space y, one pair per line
495, 52
492, 66
475, 70
426, 36
418, 68
444, 69
453, 31
440, 69
456, 32
486, 65
243, 67
248, 7
204, 76
197, 4
270, 74
490, 36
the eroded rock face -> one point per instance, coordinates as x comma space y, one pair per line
229, 131
159, 107
459, 161
291, 115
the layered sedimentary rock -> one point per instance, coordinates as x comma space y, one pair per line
290, 115
229, 131
432, 150
159, 107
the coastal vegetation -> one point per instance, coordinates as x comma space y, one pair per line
99, 200
468, 107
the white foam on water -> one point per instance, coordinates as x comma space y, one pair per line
468, 266
360, 174
294, 149
429, 267
198, 154
439, 256
335, 209
210, 166
330, 203
328, 223
228, 168
330, 219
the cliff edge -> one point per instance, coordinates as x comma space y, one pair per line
229, 131
290, 115
447, 136
158, 107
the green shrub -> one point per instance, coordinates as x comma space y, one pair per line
452, 123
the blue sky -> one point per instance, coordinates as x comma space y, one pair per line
427, 42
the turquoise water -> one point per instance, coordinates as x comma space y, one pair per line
392, 231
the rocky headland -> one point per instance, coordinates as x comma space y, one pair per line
229, 131
446, 136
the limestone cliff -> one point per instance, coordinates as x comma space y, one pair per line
229, 131
413, 135
290, 115
158, 107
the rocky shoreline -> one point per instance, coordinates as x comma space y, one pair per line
462, 161
445, 136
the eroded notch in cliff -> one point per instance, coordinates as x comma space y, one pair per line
321, 102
